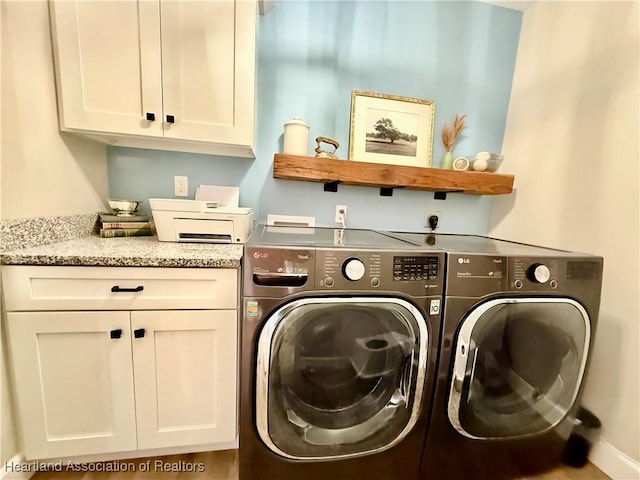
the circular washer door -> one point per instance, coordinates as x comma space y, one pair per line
518, 366
339, 377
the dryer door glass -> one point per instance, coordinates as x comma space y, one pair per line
340, 377
518, 366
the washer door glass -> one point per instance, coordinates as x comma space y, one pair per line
339, 377
518, 366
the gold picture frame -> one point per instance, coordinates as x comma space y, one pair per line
391, 129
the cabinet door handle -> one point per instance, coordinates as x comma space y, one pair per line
171, 119
151, 116
116, 289
117, 333
138, 333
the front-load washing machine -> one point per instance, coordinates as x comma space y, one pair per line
339, 343
518, 324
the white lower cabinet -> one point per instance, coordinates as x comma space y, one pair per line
185, 377
74, 383
94, 382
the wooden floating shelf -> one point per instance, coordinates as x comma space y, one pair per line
387, 177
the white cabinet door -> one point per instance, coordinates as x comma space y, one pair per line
188, 64
208, 70
74, 382
108, 65
185, 376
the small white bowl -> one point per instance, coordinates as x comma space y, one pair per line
123, 207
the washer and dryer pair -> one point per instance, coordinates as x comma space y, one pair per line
400, 355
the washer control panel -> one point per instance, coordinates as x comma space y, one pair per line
415, 268
414, 274
353, 269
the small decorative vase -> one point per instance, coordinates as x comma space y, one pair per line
447, 161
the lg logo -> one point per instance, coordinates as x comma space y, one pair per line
464, 260
260, 255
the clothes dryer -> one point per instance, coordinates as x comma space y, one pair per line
518, 326
339, 345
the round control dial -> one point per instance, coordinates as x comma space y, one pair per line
539, 273
353, 269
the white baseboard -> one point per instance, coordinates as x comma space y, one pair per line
613, 462
155, 452
11, 469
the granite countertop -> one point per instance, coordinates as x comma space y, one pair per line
70, 240
126, 252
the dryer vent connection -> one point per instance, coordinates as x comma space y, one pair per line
431, 219
433, 222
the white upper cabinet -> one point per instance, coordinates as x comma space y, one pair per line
208, 69
109, 67
168, 75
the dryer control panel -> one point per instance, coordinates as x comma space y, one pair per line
551, 274
538, 274
476, 275
473, 275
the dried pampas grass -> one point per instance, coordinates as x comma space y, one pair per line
450, 133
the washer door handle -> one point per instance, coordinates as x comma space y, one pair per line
405, 377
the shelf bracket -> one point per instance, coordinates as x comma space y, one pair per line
387, 191
440, 195
331, 186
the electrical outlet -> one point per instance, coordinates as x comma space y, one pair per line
180, 186
431, 213
341, 214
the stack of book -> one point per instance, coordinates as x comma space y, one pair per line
124, 225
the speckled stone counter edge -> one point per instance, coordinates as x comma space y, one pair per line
71, 241
31, 232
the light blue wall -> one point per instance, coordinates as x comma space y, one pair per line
311, 55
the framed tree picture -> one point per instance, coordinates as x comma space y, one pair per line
391, 129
